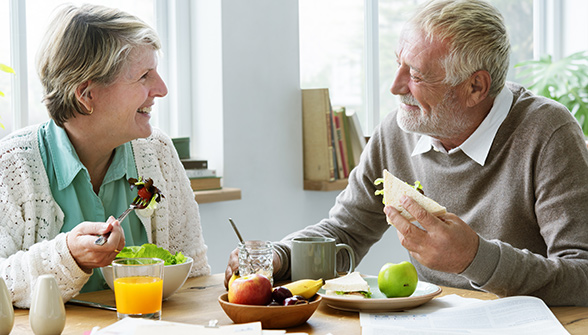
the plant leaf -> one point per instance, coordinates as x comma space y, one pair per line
565, 80
6, 68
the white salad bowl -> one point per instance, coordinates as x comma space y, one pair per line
174, 276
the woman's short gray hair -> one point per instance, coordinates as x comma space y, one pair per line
476, 35
84, 43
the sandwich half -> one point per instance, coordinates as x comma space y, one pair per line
395, 188
350, 285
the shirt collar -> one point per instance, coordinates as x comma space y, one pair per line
63, 155
477, 146
67, 164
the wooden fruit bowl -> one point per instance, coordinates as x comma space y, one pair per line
270, 316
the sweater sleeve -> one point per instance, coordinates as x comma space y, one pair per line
559, 276
21, 269
356, 219
30, 220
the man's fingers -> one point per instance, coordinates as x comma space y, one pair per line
426, 219
410, 236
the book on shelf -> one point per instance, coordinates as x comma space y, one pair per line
342, 146
318, 150
332, 137
341, 166
198, 173
356, 136
206, 183
343, 138
193, 163
351, 163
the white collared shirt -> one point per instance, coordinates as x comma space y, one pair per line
477, 146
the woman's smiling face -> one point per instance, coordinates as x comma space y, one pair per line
122, 109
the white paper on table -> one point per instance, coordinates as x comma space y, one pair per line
449, 315
151, 327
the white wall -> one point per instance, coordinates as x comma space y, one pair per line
261, 130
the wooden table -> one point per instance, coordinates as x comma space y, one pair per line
196, 303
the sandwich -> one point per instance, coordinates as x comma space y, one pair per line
395, 188
352, 285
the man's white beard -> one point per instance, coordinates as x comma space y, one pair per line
445, 120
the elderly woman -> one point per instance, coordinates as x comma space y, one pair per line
61, 181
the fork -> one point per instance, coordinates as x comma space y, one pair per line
138, 203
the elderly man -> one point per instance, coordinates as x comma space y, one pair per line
512, 166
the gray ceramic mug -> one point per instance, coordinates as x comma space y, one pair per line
315, 257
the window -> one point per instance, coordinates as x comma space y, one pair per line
5, 102
348, 46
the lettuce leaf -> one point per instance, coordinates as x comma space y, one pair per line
152, 251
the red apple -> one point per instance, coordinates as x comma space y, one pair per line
253, 289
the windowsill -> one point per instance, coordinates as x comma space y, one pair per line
224, 194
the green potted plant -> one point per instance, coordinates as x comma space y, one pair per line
565, 80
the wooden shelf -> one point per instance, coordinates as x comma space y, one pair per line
320, 185
224, 194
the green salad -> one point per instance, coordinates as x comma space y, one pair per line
149, 250
417, 186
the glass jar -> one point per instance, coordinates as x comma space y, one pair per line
256, 257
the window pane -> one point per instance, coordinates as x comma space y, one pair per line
518, 16
392, 16
38, 19
5, 78
331, 50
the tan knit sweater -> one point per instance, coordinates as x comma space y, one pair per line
30, 220
528, 203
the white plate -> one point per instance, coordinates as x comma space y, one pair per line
378, 302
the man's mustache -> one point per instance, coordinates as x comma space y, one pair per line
408, 99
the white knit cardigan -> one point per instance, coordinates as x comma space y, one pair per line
30, 219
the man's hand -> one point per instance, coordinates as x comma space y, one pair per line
234, 265
88, 255
446, 244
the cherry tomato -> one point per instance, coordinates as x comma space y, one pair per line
144, 194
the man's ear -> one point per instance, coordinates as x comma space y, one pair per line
478, 86
84, 95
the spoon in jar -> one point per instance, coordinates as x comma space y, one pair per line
236, 230
240, 240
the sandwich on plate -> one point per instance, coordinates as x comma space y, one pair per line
395, 188
351, 285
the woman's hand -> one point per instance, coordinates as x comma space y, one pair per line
88, 255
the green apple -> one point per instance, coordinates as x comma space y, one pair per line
397, 280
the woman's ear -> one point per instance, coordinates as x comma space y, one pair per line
84, 95
478, 87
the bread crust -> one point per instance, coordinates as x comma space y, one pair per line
395, 188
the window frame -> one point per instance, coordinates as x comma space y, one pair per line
171, 20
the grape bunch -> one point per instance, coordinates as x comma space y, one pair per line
282, 296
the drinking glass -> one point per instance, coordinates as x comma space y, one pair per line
138, 287
256, 257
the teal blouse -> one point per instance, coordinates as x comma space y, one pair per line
71, 187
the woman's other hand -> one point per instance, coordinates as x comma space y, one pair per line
87, 254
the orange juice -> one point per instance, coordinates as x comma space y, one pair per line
138, 295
